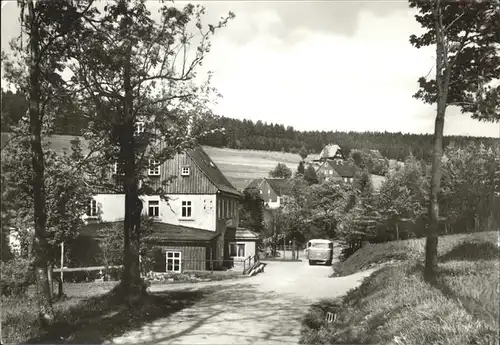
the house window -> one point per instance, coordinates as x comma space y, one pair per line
186, 209
237, 250
350, 179
153, 208
154, 168
331, 172
185, 171
345, 179
118, 169
174, 261
139, 128
224, 210
92, 208
219, 209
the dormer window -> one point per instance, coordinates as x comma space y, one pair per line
139, 128
185, 171
154, 168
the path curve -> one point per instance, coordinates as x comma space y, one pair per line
265, 309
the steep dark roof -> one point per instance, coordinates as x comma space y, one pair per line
344, 169
241, 234
254, 183
205, 163
177, 233
61, 143
161, 232
330, 151
279, 185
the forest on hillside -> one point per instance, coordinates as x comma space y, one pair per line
259, 135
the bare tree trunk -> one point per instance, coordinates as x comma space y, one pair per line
49, 278
442, 82
40, 244
131, 271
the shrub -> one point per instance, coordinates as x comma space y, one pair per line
17, 275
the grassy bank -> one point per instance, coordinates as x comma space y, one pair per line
93, 320
396, 251
92, 313
396, 306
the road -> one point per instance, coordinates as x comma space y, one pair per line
264, 309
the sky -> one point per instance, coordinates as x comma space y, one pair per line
323, 65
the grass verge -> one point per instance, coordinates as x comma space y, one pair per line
465, 245
88, 319
395, 306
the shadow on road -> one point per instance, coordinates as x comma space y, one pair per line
99, 319
234, 314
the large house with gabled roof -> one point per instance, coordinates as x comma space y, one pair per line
191, 226
195, 220
336, 170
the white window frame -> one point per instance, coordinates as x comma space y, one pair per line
174, 257
154, 168
154, 205
238, 244
93, 208
188, 206
139, 127
185, 171
331, 172
351, 179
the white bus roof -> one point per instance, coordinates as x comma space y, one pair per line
319, 241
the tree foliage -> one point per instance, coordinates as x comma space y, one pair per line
48, 33
303, 152
471, 60
470, 179
134, 80
310, 175
301, 168
372, 160
66, 182
281, 171
466, 37
251, 213
404, 197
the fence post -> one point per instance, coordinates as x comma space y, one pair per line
62, 270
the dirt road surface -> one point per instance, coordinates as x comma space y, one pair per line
264, 309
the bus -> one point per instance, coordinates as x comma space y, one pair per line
319, 250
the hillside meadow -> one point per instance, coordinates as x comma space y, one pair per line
239, 166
